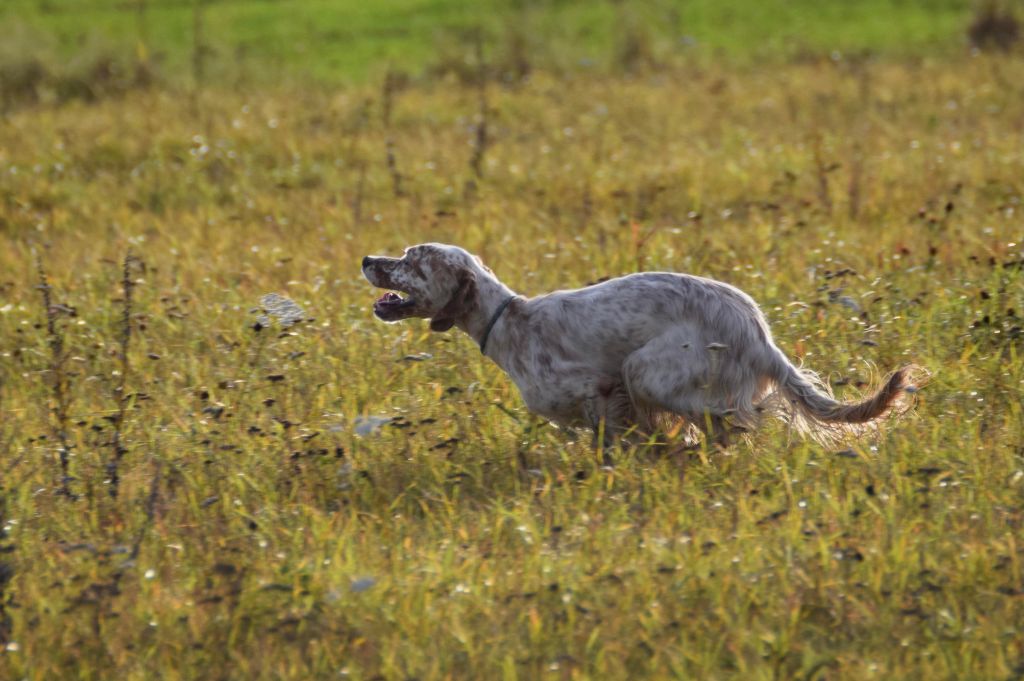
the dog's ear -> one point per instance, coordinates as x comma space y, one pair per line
458, 304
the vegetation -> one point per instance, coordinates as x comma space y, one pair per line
331, 41
201, 480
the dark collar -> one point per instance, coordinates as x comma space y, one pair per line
494, 320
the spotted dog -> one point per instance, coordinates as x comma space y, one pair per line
631, 354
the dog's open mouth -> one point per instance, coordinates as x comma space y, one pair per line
392, 306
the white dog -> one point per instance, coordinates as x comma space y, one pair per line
636, 352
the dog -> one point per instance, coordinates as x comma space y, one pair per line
635, 354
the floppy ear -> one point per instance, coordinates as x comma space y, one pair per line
458, 304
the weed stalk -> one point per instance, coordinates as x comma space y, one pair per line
822, 169
117, 443
6, 575
853, 189
151, 499
6, 568
60, 384
198, 52
481, 140
387, 103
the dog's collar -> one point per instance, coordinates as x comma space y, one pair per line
494, 320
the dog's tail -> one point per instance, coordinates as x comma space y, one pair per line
805, 400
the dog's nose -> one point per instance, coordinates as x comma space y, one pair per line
367, 261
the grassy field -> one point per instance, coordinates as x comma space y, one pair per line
189, 488
352, 40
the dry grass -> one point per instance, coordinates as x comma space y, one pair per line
873, 209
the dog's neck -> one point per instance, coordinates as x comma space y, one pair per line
491, 296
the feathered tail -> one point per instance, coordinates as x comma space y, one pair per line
806, 401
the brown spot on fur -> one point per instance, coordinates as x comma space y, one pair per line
415, 266
459, 304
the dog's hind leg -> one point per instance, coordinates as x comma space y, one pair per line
680, 372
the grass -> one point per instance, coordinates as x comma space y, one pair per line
349, 41
345, 498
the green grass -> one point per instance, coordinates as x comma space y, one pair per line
345, 41
257, 534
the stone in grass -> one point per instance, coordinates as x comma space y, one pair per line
368, 425
362, 584
285, 310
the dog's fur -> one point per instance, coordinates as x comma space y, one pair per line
636, 352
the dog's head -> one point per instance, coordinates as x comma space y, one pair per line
439, 283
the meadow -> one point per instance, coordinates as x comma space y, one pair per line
352, 41
198, 481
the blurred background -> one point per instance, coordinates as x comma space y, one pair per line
56, 50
